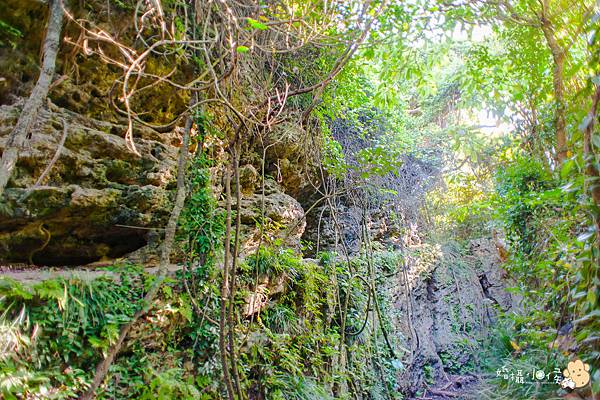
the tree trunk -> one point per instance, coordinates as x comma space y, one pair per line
558, 56
589, 156
104, 365
30, 111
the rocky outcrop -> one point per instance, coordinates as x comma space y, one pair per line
98, 201
283, 217
445, 304
289, 152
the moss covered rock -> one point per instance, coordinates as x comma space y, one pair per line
95, 195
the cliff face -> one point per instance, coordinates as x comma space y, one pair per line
100, 201
446, 300
94, 196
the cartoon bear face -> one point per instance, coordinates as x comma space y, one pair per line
578, 372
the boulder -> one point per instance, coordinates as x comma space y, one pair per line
98, 201
284, 218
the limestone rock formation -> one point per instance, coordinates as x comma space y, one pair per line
94, 198
446, 305
284, 217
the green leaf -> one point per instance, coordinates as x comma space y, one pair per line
96, 342
579, 295
585, 123
567, 168
242, 49
591, 296
167, 291
13, 288
585, 236
51, 289
257, 25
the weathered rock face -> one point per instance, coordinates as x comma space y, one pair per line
79, 213
445, 305
287, 158
322, 234
284, 217
99, 193
96, 187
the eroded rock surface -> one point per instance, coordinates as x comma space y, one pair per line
95, 197
284, 217
444, 310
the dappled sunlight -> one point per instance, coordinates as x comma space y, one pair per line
299, 200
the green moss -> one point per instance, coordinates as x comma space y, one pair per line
46, 201
120, 171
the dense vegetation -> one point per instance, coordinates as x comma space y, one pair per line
403, 131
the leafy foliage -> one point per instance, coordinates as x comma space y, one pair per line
403, 141
61, 322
